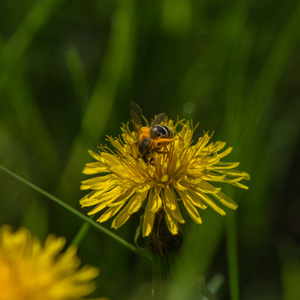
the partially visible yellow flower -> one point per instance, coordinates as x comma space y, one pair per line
32, 271
182, 175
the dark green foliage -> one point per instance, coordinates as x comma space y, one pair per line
68, 70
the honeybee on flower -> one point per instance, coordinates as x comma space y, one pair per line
151, 138
161, 180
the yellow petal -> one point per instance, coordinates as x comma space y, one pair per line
107, 197
169, 198
213, 177
94, 168
110, 159
241, 174
132, 206
210, 160
96, 182
110, 212
179, 187
177, 215
94, 154
173, 209
190, 208
149, 217
171, 222
226, 152
210, 203
206, 187
224, 165
155, 204
226, 200
216, 146
195, 199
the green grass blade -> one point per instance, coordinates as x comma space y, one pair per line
14, 49
244, 124
81, 234
76, 213
32, 124
177, 16
27, 122
115, 71
273, 69
78, 75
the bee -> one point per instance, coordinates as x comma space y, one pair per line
151, 138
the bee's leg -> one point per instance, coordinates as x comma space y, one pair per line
151, 161
166, 152
161, 152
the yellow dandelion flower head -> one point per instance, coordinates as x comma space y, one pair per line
182, 172
30, 270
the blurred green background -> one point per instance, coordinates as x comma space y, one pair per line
68, 70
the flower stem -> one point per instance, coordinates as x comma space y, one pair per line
81, 234
164, 247
161, 274
232, 255
118, 239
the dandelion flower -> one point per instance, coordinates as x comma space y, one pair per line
32, 271
179, 177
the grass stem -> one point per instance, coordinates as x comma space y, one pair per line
77, 213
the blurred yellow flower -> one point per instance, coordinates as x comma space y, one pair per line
32, 271
183, 173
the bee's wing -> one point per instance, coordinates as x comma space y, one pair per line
136, 108
136, 114
158, 119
